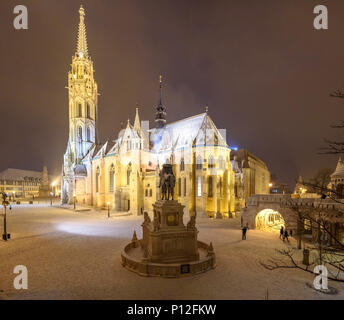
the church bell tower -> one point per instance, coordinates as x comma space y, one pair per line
83, 106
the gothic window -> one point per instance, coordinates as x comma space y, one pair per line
146, 194
88, 133
167, 161
211, 162
97, 179
220, 185
112, 178
182, 164
179, 187
199, 163
184, 187
80, 133
79, 110
88, 111
236, 189
210, 186
128, 174
199, 187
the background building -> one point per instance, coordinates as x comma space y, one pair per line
17, 183
337, 179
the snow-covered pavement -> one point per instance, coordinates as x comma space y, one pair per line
76, 255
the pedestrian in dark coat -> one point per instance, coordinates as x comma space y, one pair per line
286, 235
244, 230
281, 232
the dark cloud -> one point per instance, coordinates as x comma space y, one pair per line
263, 70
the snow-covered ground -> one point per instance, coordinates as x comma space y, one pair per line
76, 255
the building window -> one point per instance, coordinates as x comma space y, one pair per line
182, 164
210, 186
88, 134
179, 187
211, 162
79, 110
199, 187
80, 133
220, 186
199, 163
97, 179
128, 175
88, 111
150, 192
112, 178
146, 193
184, 187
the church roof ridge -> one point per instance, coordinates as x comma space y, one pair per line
180, 120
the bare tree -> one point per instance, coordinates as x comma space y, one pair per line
321, 216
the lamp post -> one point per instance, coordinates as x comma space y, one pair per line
108, 207
5, 235
74, 200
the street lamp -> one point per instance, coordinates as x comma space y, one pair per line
74, 197
5, 203
108, 207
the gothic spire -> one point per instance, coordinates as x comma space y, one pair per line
137, 125
160, 115
81, 49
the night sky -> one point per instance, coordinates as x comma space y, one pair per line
262, 68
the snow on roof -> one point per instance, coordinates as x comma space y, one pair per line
184, 132
339, 172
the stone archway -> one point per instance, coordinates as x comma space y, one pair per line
269, 220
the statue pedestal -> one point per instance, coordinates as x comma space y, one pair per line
168, 248
167, 239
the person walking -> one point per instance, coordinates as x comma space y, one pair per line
281, 232
244, 230
286, 235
